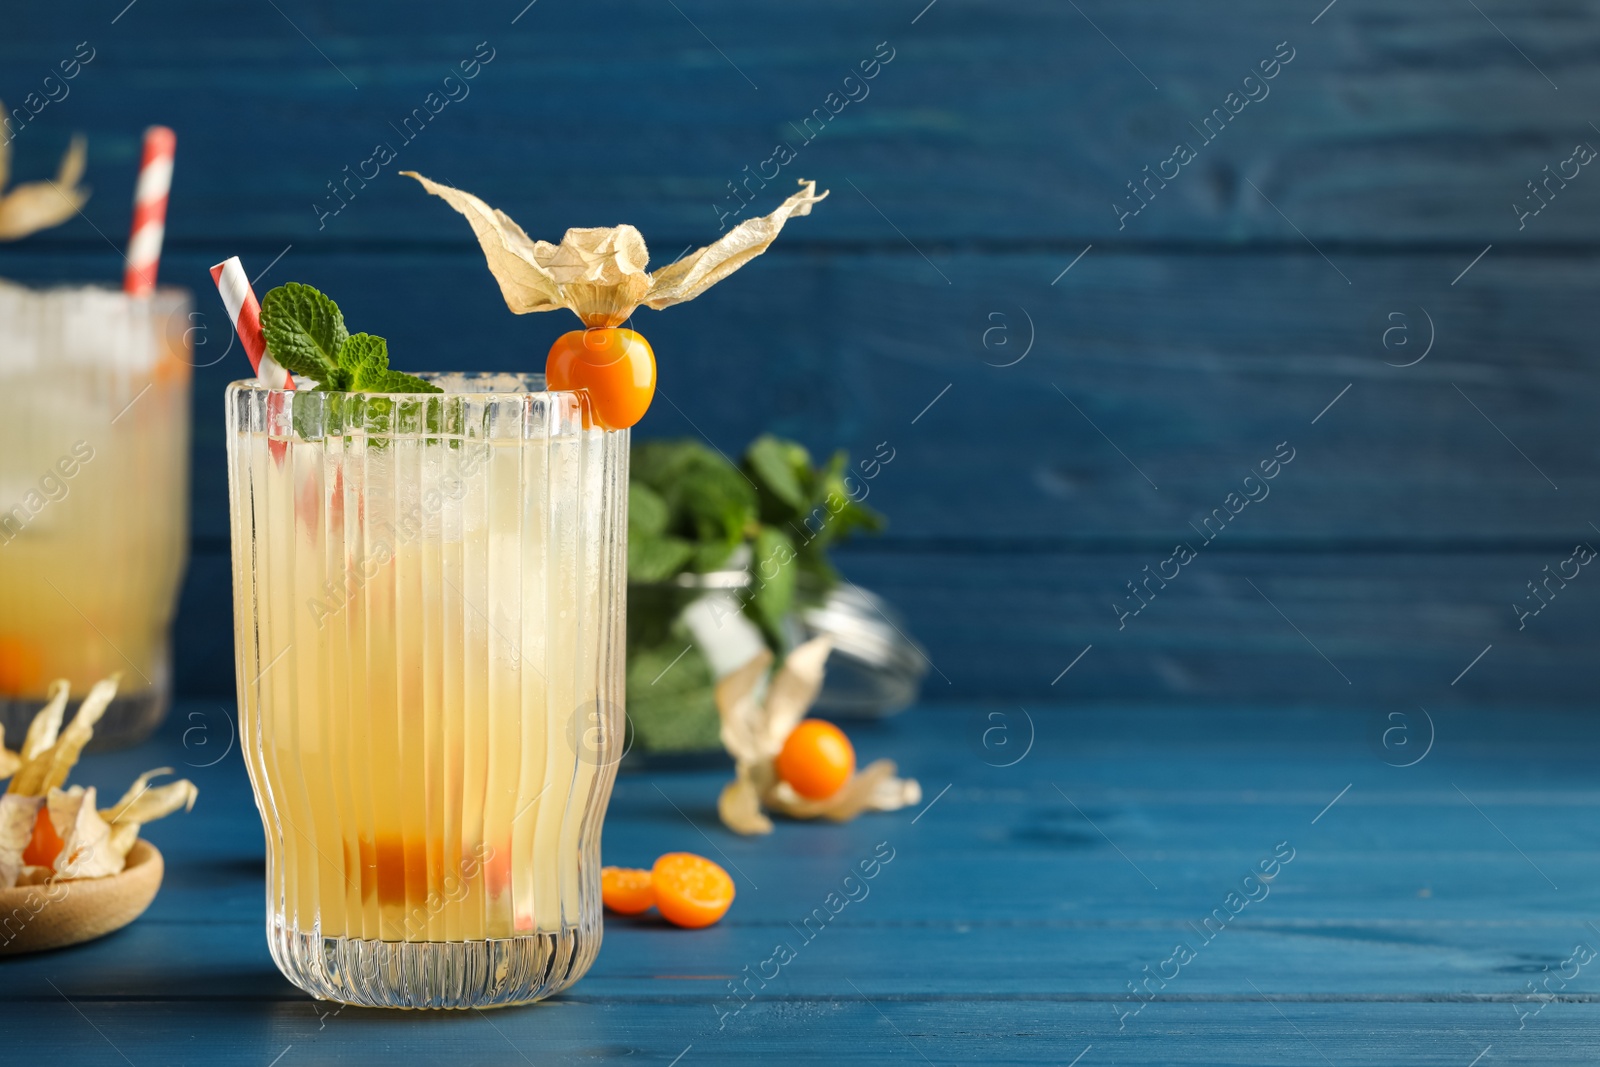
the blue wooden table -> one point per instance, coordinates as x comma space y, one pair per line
1029, 912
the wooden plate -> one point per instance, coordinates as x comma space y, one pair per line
37, 917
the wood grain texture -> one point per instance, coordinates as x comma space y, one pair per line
1187, 371
1413, 515
1412, 915
1354, 629
827, 1031
1172, 358
1014, 122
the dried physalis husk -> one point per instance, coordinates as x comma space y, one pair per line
35, 206
9, 761
599, 272
17, 817
758, 714
95, 843
87, 850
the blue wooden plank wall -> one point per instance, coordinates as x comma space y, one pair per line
1084, 267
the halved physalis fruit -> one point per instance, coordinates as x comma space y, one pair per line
615, 366
691, 890
627, 890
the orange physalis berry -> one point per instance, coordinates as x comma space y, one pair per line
817, 759
45, 844
615, 366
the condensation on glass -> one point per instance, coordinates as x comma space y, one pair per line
429, 599
94, 498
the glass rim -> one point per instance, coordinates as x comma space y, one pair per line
105, 288
256, 385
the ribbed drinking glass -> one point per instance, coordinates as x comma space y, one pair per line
94, 498
429, 605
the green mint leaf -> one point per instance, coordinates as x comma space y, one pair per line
337, 380
830, 479
372, 380
363, 350
835, 509
708, 500
648, 514
375, 415
778, 467
660, 465
671, 696
718, 501
309, 419
712, 555
814, 567
774, 572
655, 559
304, 330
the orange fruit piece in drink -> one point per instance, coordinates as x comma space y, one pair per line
627, 890
389, 864
691, 890
171, 367
817, 759
615, 366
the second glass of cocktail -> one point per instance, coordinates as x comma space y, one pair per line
94, 462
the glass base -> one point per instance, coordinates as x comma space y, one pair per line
434, 974
127, 721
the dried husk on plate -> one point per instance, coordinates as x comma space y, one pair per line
40, 917
95, 842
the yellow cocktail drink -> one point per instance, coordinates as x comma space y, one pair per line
94, 465
429, 603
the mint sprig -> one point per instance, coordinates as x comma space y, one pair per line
305, 330
689, 509
306, 334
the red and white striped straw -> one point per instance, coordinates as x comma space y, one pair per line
245, 313
150, 211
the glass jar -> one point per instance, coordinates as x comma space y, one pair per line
686, 633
